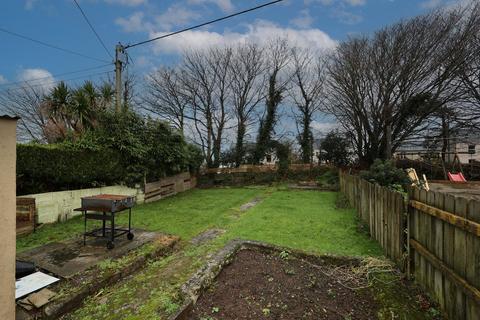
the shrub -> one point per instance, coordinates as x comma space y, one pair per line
122, 148
386, 174
44, 168
329, 180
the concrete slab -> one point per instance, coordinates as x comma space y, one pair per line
69, 257
206, 236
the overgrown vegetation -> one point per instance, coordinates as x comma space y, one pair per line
329, 180
122, 148
386, 174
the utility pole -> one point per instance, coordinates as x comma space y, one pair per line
119, 57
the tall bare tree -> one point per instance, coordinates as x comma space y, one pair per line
165, 96
385, 88
207, 84
308, 94
247, 86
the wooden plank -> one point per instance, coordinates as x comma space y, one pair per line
372, 210
460, 256
473, 259
453, 219
429, 240
448, 258
414, 226
459, 281
438, 250
422, 239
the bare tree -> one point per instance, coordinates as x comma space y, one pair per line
166, 97
308, 94
247, 86
386, 88
27, 102
470, 76
207, 84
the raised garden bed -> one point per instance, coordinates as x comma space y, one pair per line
250, 280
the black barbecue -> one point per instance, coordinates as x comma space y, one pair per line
104, 207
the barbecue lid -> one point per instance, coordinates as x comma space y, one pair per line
112, 197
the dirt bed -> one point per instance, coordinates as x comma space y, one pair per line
261, 285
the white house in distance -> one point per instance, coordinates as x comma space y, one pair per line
465, 145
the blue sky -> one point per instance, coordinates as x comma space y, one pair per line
314, 23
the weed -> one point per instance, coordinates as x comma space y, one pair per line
284, 255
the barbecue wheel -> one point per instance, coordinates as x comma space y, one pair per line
110, 245
130, 236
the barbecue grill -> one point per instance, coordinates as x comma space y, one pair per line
104, 207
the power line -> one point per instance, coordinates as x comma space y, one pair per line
55, 75
52, 82
203, 24
50, 45
93, 29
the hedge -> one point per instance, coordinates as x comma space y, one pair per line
46, 168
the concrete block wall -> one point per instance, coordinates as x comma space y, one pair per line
58, 206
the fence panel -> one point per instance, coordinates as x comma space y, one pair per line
445, 237
169, 186
382, 209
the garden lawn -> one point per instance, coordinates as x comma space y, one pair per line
185, 215
305, 220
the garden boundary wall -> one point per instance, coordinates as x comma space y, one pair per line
442, 240
58, 206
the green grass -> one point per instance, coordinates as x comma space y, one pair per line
305, 220
185, 215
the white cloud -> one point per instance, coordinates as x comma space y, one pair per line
174, 16
37, 77
130, 3
224, 5
324, 127
260, 32
134, 23
304, 20
3, 80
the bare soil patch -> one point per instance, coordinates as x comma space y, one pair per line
272, 285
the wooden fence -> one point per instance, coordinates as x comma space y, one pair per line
25, 216
383, 210
169, 186
445, 243
443, 233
